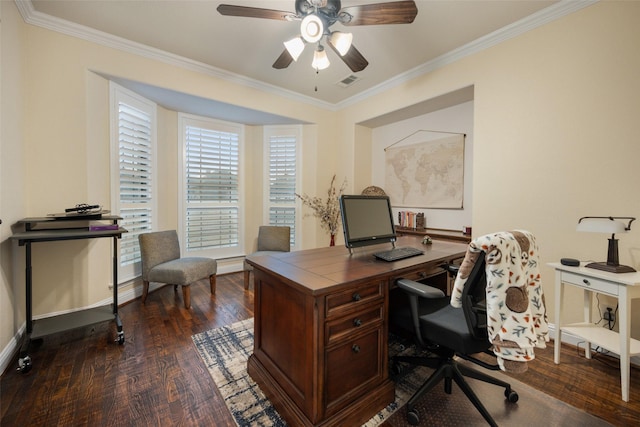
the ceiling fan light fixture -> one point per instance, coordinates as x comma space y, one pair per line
320, 59
295, 47
341, 42
312, 28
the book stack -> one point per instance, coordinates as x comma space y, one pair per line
412, 220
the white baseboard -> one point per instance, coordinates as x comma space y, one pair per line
9, 350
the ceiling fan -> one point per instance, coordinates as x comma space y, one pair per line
317, 16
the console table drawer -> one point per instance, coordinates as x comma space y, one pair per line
590, 283
355, 297
340, 328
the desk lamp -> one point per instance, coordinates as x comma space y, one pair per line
607, 224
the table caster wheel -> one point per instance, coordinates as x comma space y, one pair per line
24, 364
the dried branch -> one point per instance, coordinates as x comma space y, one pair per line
328, 211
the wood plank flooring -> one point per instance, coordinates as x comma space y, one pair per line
82, 377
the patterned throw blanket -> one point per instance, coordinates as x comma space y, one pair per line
516, 311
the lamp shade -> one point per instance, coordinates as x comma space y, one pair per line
295, 47
601, 225
311, 28
320, 59
341, 42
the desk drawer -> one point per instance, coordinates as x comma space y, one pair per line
342, 327
352, 368
590, 283
353, 298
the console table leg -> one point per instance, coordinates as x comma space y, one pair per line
624, 308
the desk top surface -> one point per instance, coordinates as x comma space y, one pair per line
319, 270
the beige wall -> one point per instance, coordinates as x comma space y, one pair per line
12, 185
555, 132
554, 139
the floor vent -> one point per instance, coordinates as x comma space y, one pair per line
348, 81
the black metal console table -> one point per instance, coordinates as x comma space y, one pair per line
56, 228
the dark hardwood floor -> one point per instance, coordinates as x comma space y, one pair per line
82, 377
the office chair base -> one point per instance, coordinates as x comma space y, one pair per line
448, 371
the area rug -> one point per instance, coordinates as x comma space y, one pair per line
225, 352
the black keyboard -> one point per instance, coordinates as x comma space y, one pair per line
398, 253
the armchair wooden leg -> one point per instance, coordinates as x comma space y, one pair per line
246, 278
212, 284
145, 290
186, 296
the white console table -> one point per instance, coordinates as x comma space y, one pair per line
624, 287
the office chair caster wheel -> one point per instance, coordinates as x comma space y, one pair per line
396, 368
24, 364
120, 339
511, 395
413, 417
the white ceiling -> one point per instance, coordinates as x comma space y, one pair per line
243, 49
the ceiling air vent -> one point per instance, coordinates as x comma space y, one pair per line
348, 81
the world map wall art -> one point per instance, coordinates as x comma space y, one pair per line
427, 174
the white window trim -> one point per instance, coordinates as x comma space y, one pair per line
276, 130
118, 93
185, 119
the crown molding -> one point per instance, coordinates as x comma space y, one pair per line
39, 19
545, 16
538, 19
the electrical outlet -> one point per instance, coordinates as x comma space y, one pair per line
609, 315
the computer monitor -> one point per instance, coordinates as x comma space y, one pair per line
366, 220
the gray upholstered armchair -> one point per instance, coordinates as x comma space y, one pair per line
271, 239
161, 262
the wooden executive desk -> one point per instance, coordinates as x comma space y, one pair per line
321, 323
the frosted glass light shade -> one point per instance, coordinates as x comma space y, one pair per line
601, 225
294, 47
341, 41
320, 59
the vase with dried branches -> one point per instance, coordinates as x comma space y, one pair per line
328, 211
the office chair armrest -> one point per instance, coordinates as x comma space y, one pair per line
420, 289
452, 269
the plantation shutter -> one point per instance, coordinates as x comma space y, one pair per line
136, 167
282, 181
211, 188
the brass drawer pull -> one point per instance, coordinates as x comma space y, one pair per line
357, 297
355, 348
357, 322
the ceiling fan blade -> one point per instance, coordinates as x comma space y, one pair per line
396, 12
255, 12
353, 58
283, 60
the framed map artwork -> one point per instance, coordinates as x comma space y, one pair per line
427, 174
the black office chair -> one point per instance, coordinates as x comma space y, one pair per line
448, 333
